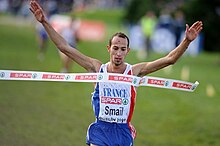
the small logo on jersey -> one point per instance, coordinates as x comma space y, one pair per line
125, 101
134, 81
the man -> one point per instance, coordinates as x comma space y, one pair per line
148, 24
42, 40
112, 126
69, 33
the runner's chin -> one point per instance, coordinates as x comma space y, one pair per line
117, 62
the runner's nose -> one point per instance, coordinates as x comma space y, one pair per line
118, 53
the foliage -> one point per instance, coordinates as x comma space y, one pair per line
207, 11
137, 8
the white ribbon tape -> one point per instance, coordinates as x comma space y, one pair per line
98, 77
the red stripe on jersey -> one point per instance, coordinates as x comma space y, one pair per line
133, 100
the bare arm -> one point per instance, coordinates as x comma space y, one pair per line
145, 68
90, 64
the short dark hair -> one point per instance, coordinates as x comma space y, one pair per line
121, 35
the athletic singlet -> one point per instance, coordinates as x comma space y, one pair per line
114, 102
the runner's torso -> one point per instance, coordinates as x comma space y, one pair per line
114, 102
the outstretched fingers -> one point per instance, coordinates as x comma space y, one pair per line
34, 6
31, 10
193, 31
197, 26
187, 27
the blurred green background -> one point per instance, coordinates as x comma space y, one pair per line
58, 114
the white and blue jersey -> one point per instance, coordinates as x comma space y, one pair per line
113, 105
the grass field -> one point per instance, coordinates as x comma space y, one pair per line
58, 114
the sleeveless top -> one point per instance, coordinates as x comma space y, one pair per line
114, 102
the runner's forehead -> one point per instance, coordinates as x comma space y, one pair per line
119, 41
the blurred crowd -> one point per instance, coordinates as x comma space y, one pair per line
152, 33
160, 34
21, 7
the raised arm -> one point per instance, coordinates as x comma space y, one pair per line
90, 64
145, 68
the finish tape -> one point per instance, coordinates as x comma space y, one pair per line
98, 77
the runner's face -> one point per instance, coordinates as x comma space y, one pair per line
118, 50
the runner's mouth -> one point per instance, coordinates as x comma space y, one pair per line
118, 59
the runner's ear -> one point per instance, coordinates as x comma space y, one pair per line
128, 50
108, 47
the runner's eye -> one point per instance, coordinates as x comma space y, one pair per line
115, 48
123, 49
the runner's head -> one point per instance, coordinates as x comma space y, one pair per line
121, 35
118, 48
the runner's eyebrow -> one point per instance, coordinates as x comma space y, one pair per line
119, 47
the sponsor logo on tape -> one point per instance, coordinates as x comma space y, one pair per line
53, 76
156, 82
166, 83
86, 77
67, 77
182, 85
120, 78
100, 77
193, 87
2, 74
34, 75
20, 75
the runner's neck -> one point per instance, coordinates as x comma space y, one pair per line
116, 69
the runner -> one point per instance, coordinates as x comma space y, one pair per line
113, 103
